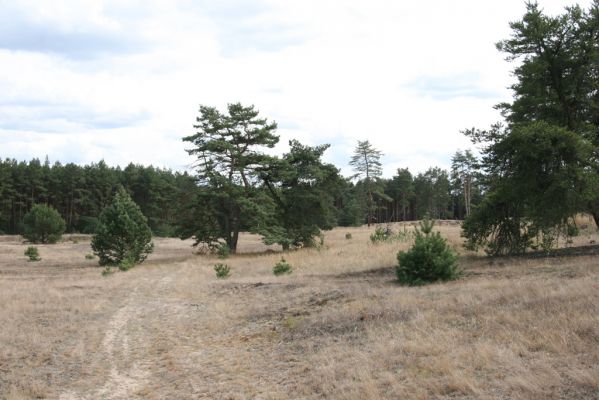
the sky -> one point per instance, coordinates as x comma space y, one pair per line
122, 81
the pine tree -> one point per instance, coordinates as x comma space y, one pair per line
43, 224
366, 163
229, 152
429, 260
123, 236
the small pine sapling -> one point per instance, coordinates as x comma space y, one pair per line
222, 271
32, 253
282, 267
430, 259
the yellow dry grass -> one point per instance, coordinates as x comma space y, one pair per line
338, 327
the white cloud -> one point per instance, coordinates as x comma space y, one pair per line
123, 80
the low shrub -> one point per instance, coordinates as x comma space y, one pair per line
430, 259
33, 253
223, 251
43, 224
380, 235
386, 234
282, 267
222, 271
89, 257
348, 236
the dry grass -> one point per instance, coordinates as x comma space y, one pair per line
338, 327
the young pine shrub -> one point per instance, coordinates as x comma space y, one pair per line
222, 271
282, 267
43, 224
123, 237
429, 260
32, 253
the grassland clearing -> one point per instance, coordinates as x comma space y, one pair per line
338, 327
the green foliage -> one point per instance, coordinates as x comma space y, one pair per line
127, 263
123, 237
381, 235
432, 193
33, 253
558, 68
539, 177
401, 190
348, 236
302, 189
465, 181
386, 234
107, 271
541, 168
572, 230
79, 193
43, 224
222, 271
282, 267
88, 225
223, 251
366, 162
89, 256
430, 259
229, 151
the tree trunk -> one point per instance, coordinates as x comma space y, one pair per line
595, 218
233, 242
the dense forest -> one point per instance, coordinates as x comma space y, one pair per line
80, 193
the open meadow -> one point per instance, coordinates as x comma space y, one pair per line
338, 327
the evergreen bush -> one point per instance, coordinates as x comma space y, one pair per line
282, 267
43, 224
123, 237
222, 271
429, 260
32, 253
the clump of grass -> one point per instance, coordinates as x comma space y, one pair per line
107, 271
89, 257
282, 267
33, 253
382, 235
222, 271
348, 236
223, 251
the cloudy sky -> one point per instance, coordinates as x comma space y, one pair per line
85, 80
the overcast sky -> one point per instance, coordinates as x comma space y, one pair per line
122, 81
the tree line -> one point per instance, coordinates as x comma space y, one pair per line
80, 192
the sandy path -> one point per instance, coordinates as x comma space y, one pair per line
121, 351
